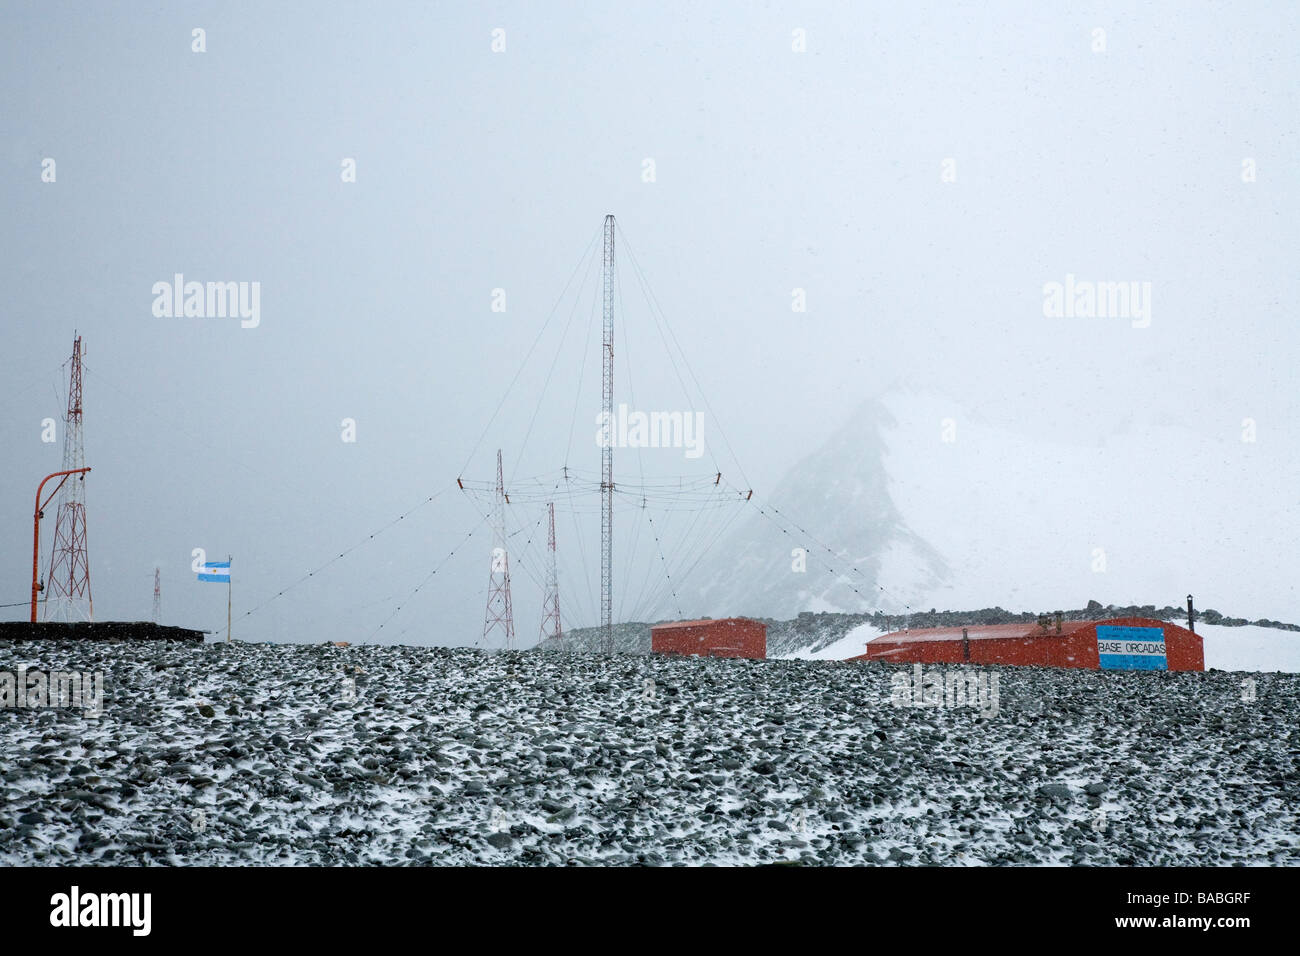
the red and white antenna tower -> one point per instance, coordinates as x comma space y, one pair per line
607, 446
551, 602
499, 613
157, 595
68, 591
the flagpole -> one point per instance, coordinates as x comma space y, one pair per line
229, 588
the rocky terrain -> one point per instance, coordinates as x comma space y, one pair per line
277, 754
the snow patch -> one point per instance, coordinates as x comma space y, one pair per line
852, 644
1250, 648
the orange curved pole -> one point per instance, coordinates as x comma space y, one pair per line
36, 525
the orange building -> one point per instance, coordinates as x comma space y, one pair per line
727, 637
1122, 643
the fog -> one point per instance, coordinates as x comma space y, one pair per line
918, 175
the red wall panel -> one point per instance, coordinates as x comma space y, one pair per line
731, 637
1077, 647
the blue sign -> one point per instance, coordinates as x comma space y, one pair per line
1131, 648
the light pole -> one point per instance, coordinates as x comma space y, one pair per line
36, 525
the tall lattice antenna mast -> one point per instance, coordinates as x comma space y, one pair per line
68, 592
607, 449
551, 601
499, 613
157, 595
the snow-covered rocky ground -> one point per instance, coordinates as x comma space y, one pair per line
458, 756
852, 644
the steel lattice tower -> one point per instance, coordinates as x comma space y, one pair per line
68, 591
499, 613
157, 595
551, 601
607, 451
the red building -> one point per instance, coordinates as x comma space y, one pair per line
727, 637
1122, 643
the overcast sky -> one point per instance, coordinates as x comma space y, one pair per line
920, 171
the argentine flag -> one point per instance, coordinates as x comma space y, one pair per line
218, 571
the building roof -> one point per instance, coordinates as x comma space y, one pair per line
983, 632
706, 621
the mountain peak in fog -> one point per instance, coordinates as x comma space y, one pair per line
841, 512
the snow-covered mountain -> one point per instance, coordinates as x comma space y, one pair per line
926, 503
842, 515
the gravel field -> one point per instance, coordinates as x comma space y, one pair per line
296, 754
